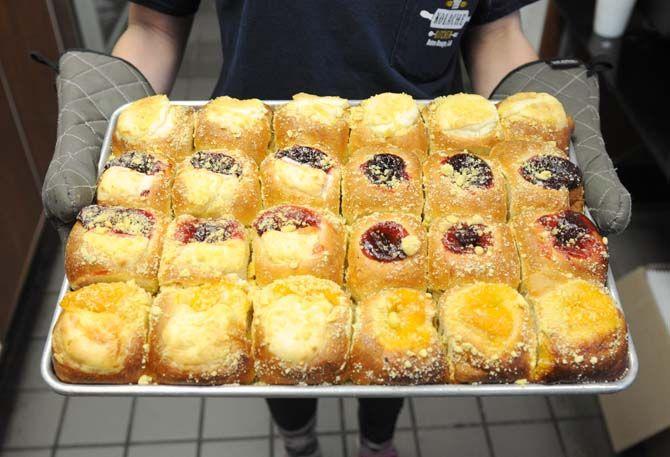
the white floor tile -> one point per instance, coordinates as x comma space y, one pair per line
96, 420
159, 419
116, 451
236, 417
501, 409
163, 450
585, 438
461, 442
528, 440
441, 411
575, 405
33, 420
246, 448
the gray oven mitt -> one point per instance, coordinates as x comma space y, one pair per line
576, 86
91, 86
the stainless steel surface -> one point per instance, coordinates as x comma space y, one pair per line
347, 390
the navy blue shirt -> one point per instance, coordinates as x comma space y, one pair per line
350, 48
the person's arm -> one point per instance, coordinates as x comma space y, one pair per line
492, 50
154, 42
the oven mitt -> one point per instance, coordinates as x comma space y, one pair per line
576, 86
91, 86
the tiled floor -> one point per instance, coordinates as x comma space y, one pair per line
36, 422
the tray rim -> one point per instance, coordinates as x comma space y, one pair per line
341, 390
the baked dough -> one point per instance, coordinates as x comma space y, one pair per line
582, 335
217, 183
539, 177
136, 180
310, 120
462, 121
297, 240
556, 245
153, 124
301, 175
489, 333
198, 251
388, 119
395, 341
110, 244
466, 250
386, 250
200, 335
229, 123
100, 335
301, 331
381, 178
535, 116
458, 183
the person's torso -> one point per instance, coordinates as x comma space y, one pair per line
350, 48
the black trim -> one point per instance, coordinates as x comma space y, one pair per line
41, 58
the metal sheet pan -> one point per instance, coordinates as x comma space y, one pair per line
346, 390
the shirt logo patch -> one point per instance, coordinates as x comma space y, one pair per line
445, 23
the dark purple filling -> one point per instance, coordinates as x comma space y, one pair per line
208, 232
464, 238
478, 172
383, 242
283, 216
216, 162
572, 232
126, 221
137, 161
551, 172
385, 169
308, 156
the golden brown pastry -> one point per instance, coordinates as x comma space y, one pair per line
301, 175
229, 123
555, 245
539, 177
381, 178
198, 251
297, 240
136, 180
153, 124
582, 335
100, 335
465, 250
386, 250
462, 184
462, 121
301, 331
489, 332
217, 183
200, 335
310, 120
535, 116
388, 119
395, 341
112, 243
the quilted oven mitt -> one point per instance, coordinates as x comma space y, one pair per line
576, 86
91, 86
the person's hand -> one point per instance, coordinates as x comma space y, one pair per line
577, 88
91, 86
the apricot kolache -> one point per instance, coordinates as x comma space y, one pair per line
317, 242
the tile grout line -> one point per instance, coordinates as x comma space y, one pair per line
126, 444
485, 427
59, 430
201, 426
343, 428
561, 441
415, 428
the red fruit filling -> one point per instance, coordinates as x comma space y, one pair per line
137, 161
463, 238
572, 232
284, 216
383, 242
208, 231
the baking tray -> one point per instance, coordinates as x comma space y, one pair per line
347, 390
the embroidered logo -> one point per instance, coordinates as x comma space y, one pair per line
445, 24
